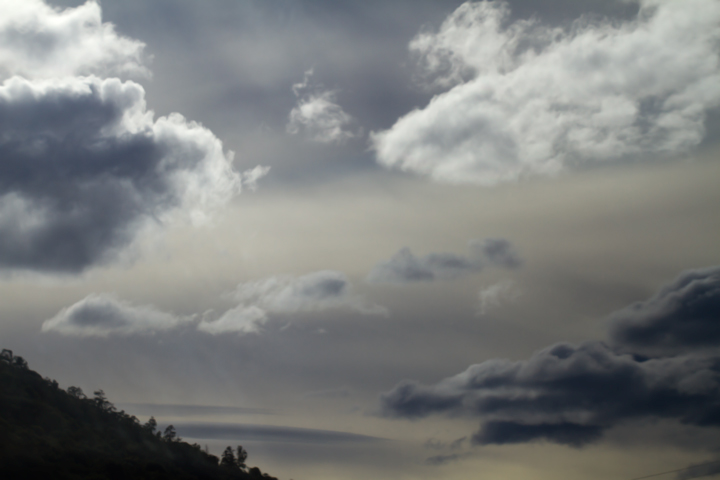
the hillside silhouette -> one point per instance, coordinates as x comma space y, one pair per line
50, 433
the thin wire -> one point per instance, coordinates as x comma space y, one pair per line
675, 471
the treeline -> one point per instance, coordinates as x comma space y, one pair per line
50, 433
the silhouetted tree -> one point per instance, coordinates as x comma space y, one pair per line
101, 401
6, 355
150, 425
241, 457
169, 434
228, 458
76, 392
19, 362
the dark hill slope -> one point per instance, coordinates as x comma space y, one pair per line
48, 433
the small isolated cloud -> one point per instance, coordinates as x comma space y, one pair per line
406, 267
524, 99
495, 295
438, 460
283, 295
571, 394
103, 315
317, 115
85, 165
682, 317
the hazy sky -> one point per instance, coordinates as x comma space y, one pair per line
405, 239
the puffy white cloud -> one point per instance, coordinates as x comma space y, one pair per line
39, 41
317, 115
102, 315
530, 100
284, 295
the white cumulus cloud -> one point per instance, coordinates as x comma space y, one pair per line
527, 100
40, 41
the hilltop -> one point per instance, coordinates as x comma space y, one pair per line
48, 432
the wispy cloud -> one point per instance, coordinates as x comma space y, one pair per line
406, 267
285, 295
317, 114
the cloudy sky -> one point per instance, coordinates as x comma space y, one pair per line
383, 239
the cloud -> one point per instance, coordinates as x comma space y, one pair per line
269, 433
438, 460
406, 267
85, 164
498, 252
39, 41
526, 100
699, 471
682, 317
318, 116
284, 295
495, 295
570, 394
102, 315
240, 320
251, 177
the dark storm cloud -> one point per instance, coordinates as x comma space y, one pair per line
85, 165
406, 267
269, 433
683, 316
571, 394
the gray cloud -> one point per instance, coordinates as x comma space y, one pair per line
85, 165
571, 394
285, 294
699, 471
269, 433
103, 315
683, 316
405, 266
495, 295
525, 99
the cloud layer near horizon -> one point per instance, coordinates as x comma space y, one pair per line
525, 99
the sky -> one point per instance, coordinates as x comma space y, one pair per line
393, 240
